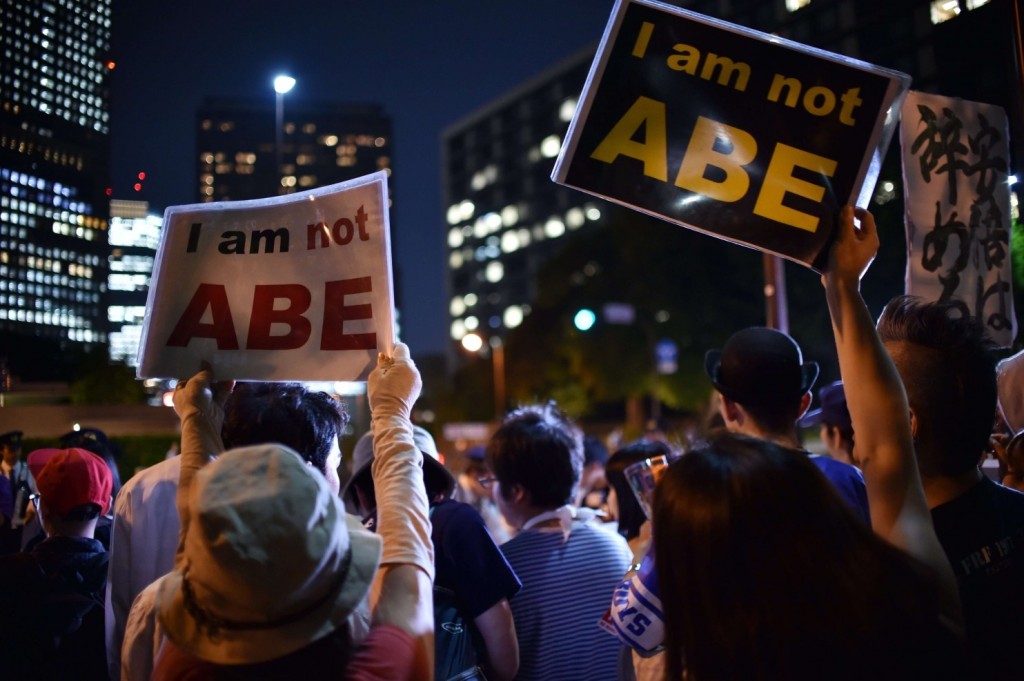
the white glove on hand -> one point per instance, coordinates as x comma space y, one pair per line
394, 385
200, 396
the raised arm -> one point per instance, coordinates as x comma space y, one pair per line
405, 579
199, 403
878, 405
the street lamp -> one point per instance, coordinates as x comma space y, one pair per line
473, 342
282, 85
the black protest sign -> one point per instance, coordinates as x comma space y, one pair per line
729, 131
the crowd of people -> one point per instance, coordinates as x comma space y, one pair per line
890, 555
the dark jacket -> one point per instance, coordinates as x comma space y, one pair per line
52, 600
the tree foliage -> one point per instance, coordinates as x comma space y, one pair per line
101, 381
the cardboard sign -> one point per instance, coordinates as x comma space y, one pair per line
729, 131
957, 200
294, 288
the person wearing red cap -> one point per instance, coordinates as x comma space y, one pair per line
58, 602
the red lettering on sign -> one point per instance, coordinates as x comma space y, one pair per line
264, 316
336, 313
222, 328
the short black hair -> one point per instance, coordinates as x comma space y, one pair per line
306, 420
539, 448
949, 374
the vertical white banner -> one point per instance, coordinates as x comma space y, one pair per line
955, 168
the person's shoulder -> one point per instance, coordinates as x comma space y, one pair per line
833, 468
1008, 498
454, 511
165, 470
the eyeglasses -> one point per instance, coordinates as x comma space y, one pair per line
487, 480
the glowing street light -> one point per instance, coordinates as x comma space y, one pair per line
474, 342
282, 85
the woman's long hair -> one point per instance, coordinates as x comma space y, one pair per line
765, 573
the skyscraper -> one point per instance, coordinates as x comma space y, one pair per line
321, 143
54, 172
134, 238
504, 215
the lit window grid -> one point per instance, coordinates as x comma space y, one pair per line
312, 151
493, 247
54, 60
136, 232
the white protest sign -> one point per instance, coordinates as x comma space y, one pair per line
955, 167
293, 288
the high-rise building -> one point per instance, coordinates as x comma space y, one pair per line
320, 143
504, 215
54, 172
134, 238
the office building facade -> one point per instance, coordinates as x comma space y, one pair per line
320, 143
504, 216
54, 174
134, 239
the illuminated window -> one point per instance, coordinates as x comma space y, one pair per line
575, 218
494, 272
794, 5
457, 306
470, 299
510, 241
550, 146
472, 323
566, 111
509, 215
975, 4
458, 329
944, 10
554, 228
513, 316
455, 237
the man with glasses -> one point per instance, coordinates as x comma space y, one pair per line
567, 564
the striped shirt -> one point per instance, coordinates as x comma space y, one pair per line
568, 581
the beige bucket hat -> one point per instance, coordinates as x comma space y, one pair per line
271, 561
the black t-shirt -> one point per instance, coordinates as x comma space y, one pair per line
467, 561
982, 532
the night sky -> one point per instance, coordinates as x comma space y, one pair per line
429, 63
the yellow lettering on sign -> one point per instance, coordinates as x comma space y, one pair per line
701, 153
726, 69
779, 181
686, 61
648, 114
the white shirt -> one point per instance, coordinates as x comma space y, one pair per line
143, 541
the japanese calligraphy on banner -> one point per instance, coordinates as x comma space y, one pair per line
955, 166
293, 288
735, 133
